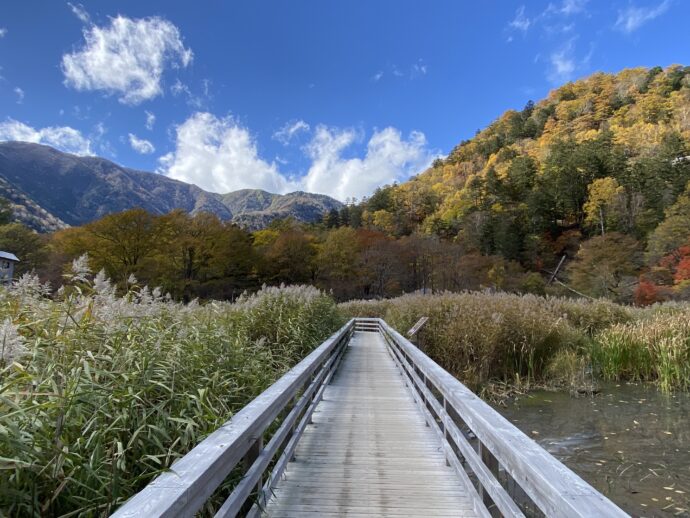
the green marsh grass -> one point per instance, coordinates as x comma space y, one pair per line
654, 348
100, 393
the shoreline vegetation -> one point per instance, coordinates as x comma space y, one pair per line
501, 344
101, 390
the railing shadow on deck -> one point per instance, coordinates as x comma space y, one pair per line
505, 472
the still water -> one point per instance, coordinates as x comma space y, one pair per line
631, 442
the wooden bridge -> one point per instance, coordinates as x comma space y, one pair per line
368, 426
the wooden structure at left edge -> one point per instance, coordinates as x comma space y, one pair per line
367, 425
7, 264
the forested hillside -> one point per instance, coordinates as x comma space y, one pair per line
596, 175
598, 171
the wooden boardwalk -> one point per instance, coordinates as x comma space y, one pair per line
368, 451
344, 433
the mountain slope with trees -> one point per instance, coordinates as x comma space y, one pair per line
598, 171
51, 190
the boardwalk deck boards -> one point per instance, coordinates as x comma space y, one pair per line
369, 451
344, 433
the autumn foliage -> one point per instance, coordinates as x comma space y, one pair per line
598, 172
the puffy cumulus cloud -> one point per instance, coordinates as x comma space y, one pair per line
126, 58
64, 138
20, 95
140, 145
3, 31
285, 134
219, 155
389, 158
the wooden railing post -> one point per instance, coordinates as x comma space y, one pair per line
444, 417
252, 454
491, 463
248, 461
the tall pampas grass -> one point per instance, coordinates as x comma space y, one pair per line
100, 392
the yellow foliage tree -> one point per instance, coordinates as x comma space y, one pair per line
603, 202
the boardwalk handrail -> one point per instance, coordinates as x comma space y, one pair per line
287, 405
504, 471
507, 466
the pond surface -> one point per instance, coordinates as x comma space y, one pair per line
631, 442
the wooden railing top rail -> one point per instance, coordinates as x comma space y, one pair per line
191, 480
554, 488
284, 409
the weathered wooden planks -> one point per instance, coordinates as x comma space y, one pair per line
556, 490
383, 435
369, 451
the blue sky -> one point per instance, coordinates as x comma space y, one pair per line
332, 97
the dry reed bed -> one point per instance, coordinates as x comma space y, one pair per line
485, 337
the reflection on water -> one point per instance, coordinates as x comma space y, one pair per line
631, 442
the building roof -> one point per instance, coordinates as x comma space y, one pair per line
9, 256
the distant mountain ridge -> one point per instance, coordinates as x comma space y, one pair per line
50, 190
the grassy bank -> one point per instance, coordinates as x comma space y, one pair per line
484, 338
655, 347
99, 393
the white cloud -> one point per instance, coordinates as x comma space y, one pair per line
126, 58
520, 22
206, 87
389, 158
150, 120
64, 138
80, 12
20, 95
180, 89
3, 32
413, 71
418, 69
140, 145
219, 155
552, 19
570, 7
285, 134
632, 18
562, 64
